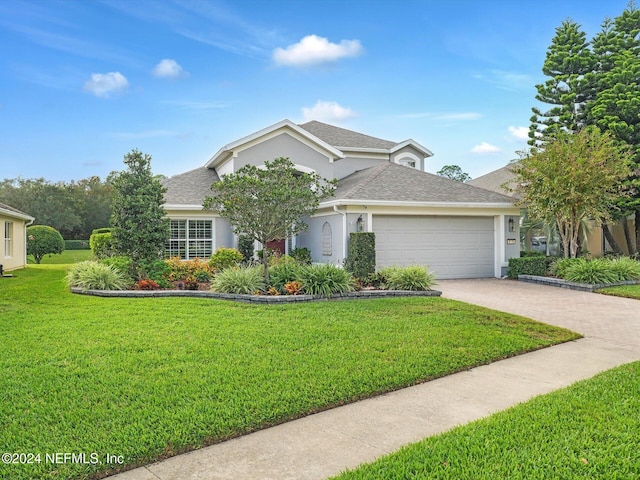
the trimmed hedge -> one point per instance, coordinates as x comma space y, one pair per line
361, 259
76, 245
527, 266
101, 243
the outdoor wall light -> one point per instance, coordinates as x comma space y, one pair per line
360, 224
512, 225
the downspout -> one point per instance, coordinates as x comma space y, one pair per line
25, 239
344, 232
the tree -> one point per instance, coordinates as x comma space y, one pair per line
568, 63
268, 203
140, 228
43, 240
454, 172
575, 177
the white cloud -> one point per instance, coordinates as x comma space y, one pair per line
521, 133
327, 112
104, 84
485, 147
315, 50
169, 68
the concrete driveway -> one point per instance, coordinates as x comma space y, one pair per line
324, 444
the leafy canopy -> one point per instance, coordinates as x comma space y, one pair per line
43, 240
576, 176
454, 172
268, 203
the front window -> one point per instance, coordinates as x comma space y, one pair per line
8, 239
190, 239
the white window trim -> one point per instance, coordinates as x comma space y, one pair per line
8, 239
187, 239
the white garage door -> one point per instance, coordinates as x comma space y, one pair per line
453, 247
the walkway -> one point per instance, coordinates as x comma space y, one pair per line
324, 444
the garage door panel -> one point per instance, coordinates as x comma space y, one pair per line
453, 247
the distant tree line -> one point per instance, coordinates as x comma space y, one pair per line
73, 208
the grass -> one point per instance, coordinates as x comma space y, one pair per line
588, 430
149, 378
628, 291
68, 256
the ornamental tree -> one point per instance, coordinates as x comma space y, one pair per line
575, 177
268, 203
140, 228
43, 240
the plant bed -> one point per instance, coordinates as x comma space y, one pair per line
583, 287
203, 293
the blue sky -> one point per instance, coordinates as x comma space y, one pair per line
84, 82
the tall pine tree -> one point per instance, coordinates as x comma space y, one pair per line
568, 62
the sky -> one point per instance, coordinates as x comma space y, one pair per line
83, 82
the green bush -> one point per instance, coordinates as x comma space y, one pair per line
43, 240
245, 247
558, 268
179, 270
413, 277
301, 255
101, 243
225, 258
625, 268
531, 253
91, 275
241, 280
325, 280
283, 273
361, 258
119, 262
594, 271
527, 266
76, 245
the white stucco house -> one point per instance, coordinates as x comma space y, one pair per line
13, 249
458, 230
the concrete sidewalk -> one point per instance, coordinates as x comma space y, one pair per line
324, 444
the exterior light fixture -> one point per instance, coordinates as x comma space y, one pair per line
360, 224
512, 224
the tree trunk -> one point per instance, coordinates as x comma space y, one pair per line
612, 241
265, 261
627, 236
637, 229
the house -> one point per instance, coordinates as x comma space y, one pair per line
458, 230
594, 240
13, 250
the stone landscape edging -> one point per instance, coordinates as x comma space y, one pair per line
583, 287
254, 298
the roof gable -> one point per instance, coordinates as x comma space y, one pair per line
493, 181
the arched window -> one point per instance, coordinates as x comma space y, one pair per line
326, 239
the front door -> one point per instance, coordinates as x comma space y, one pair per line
277, 246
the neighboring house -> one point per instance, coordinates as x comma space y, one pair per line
595, 242
460, 231
13, 249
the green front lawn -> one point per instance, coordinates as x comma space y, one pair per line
68, 256
628, 291
589, 430
148, 378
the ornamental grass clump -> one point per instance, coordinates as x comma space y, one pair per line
90, 275
416, 278
596, 271
282, 274
240, 280
625, 268
559, 267
325, 280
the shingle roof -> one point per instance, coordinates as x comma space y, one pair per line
341, 137
14, 210
391, 182
190, 188
493, 181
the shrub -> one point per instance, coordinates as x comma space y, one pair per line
225, 258
101, 243
283, 273
558, 267
241, 280
190, 283
293, 288
301, 255
76, 245
361, 259
245, 247
527, 266
375, 280
91, 275
120, 262
594, 271
625, 268
531, 253
179, 269
147, 285
157, 270
414, 278
43, 240
325, 280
